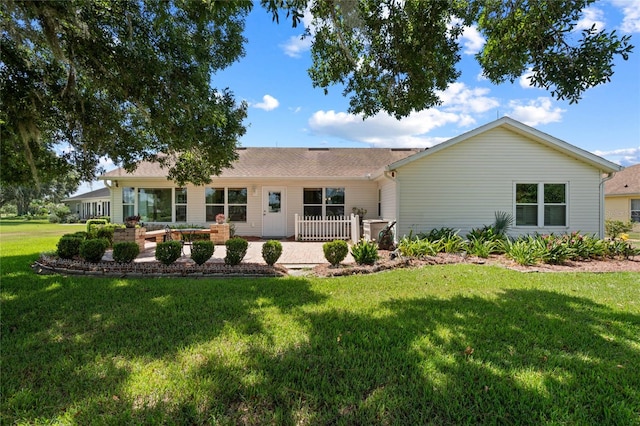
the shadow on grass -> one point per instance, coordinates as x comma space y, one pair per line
525, 357
69, 342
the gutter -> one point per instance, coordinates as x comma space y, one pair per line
602, 212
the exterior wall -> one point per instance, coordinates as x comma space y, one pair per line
618, 208
463, 185
358, 193
388, 205
89, 207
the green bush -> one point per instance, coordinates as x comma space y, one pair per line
125, 252
93, 250
438, 234
201, 251
365, 252
69, 245
106, 232
92, 222
419, 247
168, 252
524, 251
614, 228
236, 250
53, 218
271, 252
335, 251
482, 248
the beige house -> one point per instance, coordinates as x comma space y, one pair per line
90, 204
622, 195
546, 184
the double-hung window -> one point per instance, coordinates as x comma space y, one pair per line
635, 210
231, 202
128, 202
180, 203
541, 204
323, 202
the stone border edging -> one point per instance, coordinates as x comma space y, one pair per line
52, 265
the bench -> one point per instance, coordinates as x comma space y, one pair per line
158, 235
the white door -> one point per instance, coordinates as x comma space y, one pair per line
274, 222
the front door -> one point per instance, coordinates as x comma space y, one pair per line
274, 222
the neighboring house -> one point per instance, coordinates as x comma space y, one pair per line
622, 195
546, 184
90, 204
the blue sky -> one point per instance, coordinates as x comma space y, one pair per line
286, 111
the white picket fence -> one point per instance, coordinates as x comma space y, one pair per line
318, 228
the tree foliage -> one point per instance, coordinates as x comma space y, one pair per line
83, 79
132, 79
395, 56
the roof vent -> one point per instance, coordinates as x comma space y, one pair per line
318, 149
401, 149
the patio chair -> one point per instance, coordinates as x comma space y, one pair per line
168, 236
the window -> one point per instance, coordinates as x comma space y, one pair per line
128, 202
234, 200
237, 201
541, 200
323, 202
214, 203
154, 204
635, 210
181, 204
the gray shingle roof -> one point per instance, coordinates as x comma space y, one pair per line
98, 193
294, 163
625, 182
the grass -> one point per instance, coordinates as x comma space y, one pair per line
458, 344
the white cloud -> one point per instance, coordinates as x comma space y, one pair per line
268, 103
623, 156
460, 106
524, 81
382, 129
631, 11
535, 112
591, 16
295, 46
472, 40
460, 98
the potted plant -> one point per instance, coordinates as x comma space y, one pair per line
220, 218
131, 221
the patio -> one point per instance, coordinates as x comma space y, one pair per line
295, 254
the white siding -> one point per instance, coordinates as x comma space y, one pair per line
388, 207
463, 185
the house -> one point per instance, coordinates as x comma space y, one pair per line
622, 195
90, 204
546, 184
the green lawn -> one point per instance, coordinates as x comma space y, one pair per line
460, 344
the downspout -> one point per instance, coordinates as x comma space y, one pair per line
391, 175
602, 212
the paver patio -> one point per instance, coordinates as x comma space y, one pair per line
294, 254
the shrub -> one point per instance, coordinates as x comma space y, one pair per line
419, 248
93, 250
438, 234
107, 232
236, 250
482, 248
614, 228
365, 252
92, 222
69, 245
201, 251
168, 252
335, 251
554, 250
125, 252
271, 251
524, 251
53, 218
